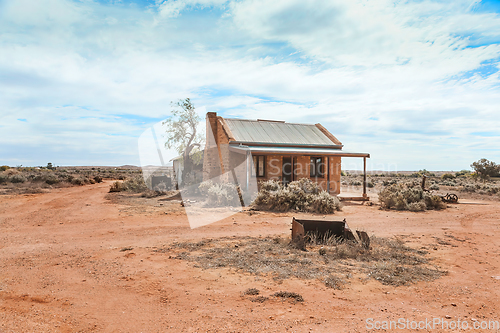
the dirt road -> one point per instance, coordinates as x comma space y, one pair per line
78, 260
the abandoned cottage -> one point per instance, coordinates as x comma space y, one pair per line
266, 149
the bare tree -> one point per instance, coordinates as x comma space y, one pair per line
181, 133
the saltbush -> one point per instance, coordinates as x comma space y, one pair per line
17, 178
205, 186
301, 195
117, 187
470, 188
220, 194
135, 184
223, 194
78, 181
51, 180
408, 196
463, 173
418, 206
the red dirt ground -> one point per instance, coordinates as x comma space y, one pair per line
61, 269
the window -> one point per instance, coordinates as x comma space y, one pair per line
317, 167
259, 164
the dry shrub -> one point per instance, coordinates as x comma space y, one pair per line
470, 188
117, 187
434, 187
204, 187
334, 282
419, 206
11, 171
220, 194
324, 203
135, 184
434, 202
223, 194
289, 295
4, 167
52, 179
448, 176
408, 196
78, 181
17, 178
301, 195
251, 291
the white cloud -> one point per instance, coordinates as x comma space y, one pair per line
382, 76
173, 8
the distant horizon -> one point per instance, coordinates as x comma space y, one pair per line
170, 166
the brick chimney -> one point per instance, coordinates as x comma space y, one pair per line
211, 162
211, 129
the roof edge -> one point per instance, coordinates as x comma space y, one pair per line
328, 134
270, 121
266, 144
226, 128
312, 152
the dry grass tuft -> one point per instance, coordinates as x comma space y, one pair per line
388, 260
259, 299
251, 291
289, 295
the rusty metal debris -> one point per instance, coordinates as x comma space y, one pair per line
448, 198
364, 238
337, 229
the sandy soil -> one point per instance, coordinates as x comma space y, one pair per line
62, 269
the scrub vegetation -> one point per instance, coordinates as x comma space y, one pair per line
40, 179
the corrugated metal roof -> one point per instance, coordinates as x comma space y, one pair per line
297, 151
271, 132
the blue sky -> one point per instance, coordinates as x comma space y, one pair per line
414, 83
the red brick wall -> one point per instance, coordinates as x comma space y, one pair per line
302, 170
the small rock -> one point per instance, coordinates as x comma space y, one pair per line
453, 304
447, 317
